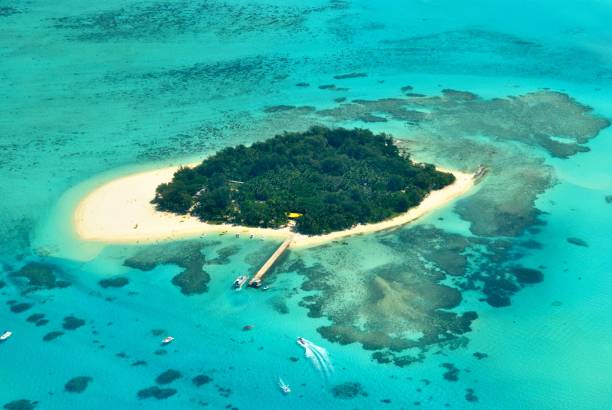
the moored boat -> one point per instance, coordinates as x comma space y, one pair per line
239, 282
284, 386
167, 340
5, 335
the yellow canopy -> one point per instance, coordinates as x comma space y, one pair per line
294, 215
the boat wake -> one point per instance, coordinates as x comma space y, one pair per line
317, 355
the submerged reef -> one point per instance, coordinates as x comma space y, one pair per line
348, 390
35, 276
115, 282
78, 384
72, 323
187, 255
156, 392
52, 335
511, 136
402, 303
21, 404
20, 307
201, 379
577, 242
156, 21
404, 299
168, 376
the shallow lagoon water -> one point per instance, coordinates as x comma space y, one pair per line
123, 87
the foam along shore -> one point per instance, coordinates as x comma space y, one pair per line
120, 212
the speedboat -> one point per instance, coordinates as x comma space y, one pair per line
284, 386
239, 282
302, 342
167, 340
5, 335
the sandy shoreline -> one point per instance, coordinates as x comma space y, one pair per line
120, 212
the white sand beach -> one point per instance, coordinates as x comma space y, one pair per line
120, 212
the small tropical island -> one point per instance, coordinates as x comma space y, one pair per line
309, 188
321, 181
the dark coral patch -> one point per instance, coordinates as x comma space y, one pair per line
191, 280
350, 75
22, 404
40, 276
480, 355
72, 322
168, 376
577, 242
35, 317
224, 254
279, 305
77, 384
278, 108
8, 11
156, 392
348, 390
116, 282
52, 335
527, 275
201, 379
452, 373
470, 396
20, 307
496, 300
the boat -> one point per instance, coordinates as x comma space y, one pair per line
5, 335
284, 386
302, 342
167, 340
240, 281
255, 283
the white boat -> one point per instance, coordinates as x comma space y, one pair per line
284, 386
302, 342
6, 335
167, 340
239, 282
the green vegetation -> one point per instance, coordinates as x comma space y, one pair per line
336, 178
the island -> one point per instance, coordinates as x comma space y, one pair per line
323, 180
312, 187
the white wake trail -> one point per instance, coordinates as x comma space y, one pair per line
320, 356
312, 357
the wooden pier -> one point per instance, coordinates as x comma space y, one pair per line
256, 280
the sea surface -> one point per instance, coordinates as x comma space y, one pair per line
501, 300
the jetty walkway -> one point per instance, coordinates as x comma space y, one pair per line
256, 280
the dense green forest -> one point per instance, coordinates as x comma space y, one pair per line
336, 178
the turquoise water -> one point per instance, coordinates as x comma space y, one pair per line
90, 92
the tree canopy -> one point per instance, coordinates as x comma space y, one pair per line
335, 178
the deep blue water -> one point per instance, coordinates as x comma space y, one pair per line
92, 91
